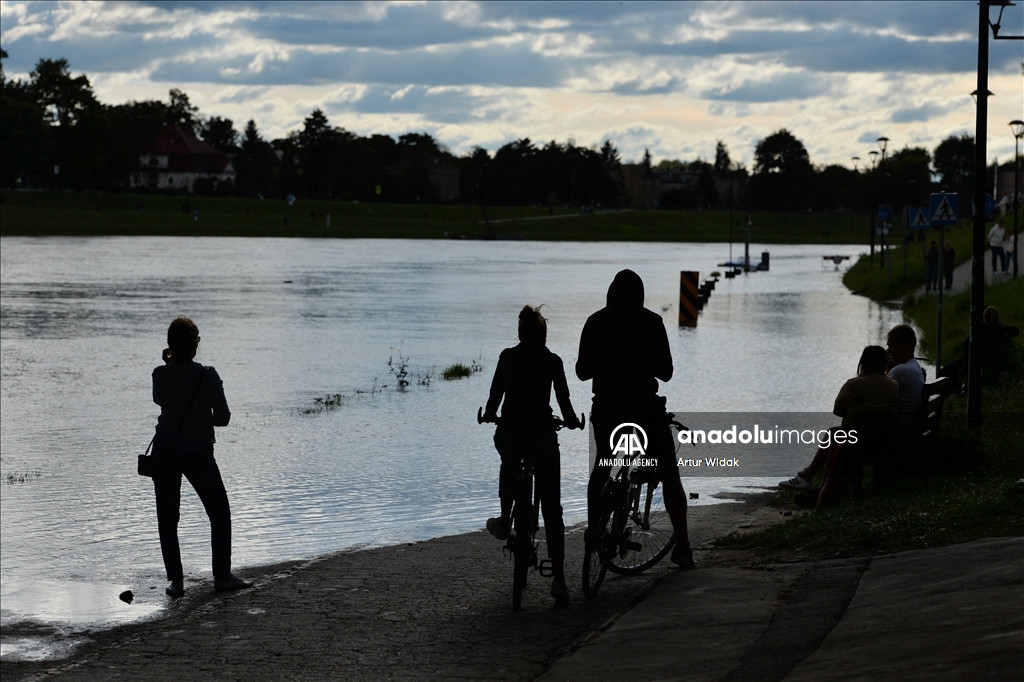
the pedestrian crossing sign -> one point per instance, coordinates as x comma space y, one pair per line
919, 219
944, 209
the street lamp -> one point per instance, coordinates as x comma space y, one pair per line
974, 95
883, 142
871, 208
1018, 132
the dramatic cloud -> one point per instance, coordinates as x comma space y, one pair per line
669, 77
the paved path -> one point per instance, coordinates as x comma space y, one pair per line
950, 613
439, 611
962, 277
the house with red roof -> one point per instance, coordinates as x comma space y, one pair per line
178, 158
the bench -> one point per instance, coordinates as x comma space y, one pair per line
894, 451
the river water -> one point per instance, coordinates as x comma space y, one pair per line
287, 322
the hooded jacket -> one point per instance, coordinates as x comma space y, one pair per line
624, 349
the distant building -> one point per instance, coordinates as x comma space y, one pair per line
645, 187
640, 185
178, 158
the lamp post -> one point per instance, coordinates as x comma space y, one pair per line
883, 142
974, 414
1018, 132
871, 208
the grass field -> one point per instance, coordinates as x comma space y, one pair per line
47, 213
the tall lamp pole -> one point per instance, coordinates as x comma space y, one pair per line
872, 209
1018, 132
974, 415
883, 142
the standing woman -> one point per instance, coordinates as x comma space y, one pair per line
191, 400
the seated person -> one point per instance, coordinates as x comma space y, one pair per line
991, 337
524, 377
868, 402
900, 344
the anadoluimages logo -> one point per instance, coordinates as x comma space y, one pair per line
628, 443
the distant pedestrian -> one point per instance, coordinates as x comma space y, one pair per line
1010, 253
191, 400
949, 264
995, 243
932, 265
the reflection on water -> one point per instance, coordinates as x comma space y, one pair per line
288, 321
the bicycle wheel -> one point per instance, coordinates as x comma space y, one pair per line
646, 530
594, 566
523, 543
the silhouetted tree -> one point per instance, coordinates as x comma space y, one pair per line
24, 141
723, 164
782, 173
221, 133
609, 154
954, 162
182, 112
255, 163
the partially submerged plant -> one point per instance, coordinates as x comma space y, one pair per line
325, 404
456, 371
461, 371
23, 478
400, 368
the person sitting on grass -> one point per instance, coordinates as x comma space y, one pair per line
523, 378
991, 337
868, 402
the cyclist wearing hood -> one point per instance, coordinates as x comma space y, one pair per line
624, 350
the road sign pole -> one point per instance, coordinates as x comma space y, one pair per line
938, 310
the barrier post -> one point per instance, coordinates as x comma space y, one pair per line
688, 298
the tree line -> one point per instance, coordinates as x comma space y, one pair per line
54, 120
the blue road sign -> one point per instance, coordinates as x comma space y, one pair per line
990, 206
885, 213
943, 209
919, 219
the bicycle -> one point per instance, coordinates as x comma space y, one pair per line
633, 531
521, 542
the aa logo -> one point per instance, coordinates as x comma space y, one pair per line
628, 441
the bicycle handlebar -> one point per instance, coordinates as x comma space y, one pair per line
559, 424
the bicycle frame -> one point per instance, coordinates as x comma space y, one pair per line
629, 509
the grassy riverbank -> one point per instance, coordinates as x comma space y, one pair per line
47, 213
970, 489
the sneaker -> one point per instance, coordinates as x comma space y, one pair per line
560, 592
497, 528
230, 584
683, 558
798, 482
176, 589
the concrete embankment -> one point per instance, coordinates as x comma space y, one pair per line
439, 609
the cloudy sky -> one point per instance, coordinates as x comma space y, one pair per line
671, 77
